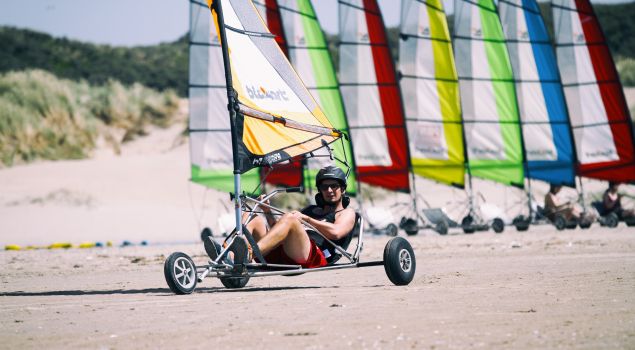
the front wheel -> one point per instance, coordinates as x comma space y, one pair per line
560, 222
180, 273
399, 261
612, 220
442, 228
410, 226
234, 282
498, 225
468, 224
392, 230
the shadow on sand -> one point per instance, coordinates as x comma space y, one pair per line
160, 291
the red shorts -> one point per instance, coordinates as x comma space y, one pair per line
316, 257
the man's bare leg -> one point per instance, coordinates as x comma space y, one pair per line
257, 226
288, 231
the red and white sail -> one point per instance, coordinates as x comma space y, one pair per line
372, 97
600, 119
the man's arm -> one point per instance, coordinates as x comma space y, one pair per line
271, 219
344, 223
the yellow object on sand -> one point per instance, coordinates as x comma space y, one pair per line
87, 245
12, 247
60, 245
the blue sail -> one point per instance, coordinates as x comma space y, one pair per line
543, 112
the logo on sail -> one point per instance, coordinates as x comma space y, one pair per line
261, 93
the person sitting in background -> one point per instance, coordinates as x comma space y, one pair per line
554, 206
612, 202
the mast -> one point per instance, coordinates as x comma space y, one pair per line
232, 107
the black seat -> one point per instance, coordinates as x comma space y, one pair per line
343, 242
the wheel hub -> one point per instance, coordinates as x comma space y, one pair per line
405, 260
183, 271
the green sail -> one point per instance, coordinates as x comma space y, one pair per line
309, 54
488, 96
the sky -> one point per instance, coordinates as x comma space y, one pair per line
141, 22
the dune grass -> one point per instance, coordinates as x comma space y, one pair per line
44, 117
626, 70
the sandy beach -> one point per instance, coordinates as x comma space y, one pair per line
542, 289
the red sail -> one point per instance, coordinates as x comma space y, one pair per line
619, 159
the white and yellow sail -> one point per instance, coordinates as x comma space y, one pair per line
277, 117
430, 89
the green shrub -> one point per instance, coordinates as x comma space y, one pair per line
626, 70
44, 117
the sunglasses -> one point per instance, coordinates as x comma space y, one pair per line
334, 187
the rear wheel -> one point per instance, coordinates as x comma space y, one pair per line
410, 226
206, 232
498, 225
442, 228
238, 254
468, 224
180, 273
585, 223
612, 220
560, 222
521, 223
392, 230
630, 221
234, 282
399, 261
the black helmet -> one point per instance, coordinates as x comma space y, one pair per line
330, 172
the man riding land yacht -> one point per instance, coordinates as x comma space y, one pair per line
287, 241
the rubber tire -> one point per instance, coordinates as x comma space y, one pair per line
239, 249
206, 232
392, 230
467, 225
560, 222
397, 249
630, 221
612, 220
585, 223
410, 226
169, 272
234, 282
498, 225
442, 228
521, 223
